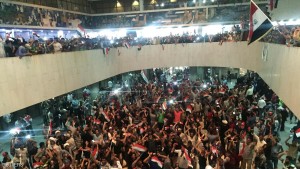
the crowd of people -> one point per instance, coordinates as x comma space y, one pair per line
191, 124
18, 46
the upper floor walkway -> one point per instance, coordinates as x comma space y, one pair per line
34, 79
16, 14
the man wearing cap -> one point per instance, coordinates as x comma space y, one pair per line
67, 149
70, 141
6, 157
52, 144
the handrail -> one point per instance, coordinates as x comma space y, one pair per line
86, 44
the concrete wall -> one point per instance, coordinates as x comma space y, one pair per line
33, 79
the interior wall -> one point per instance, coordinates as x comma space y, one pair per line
286, 10
30, 80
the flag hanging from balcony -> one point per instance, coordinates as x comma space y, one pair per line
105, 51
260, 24
81, 30
144, 76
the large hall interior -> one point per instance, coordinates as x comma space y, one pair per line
149, 84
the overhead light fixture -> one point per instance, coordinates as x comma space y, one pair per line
162, 5
153, 2
118, 4
135, 3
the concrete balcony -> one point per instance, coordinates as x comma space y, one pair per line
30, 80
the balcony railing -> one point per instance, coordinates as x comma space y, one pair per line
16, 47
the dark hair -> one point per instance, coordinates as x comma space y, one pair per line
42, 144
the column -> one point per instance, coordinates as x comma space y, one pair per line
200, 73
141, 3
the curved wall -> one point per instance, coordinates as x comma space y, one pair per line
30, 80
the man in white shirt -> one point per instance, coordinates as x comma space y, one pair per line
249, 93
261, 105
57, 47
21, 155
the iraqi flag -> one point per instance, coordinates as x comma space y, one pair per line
139, 147
127, 45
297, 132
105, 51
37, 164
81, 30
186, 98
164, 105
97, 121
189, 108
35, 34
260, 24
95, 153
143, 74
214, 150
206, 94
157, 161
157, 99
105, 116
50, 128
222, 90
170, 91
187, 157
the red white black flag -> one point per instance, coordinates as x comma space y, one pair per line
260, 24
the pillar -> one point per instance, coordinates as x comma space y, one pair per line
141, 3
200, 73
